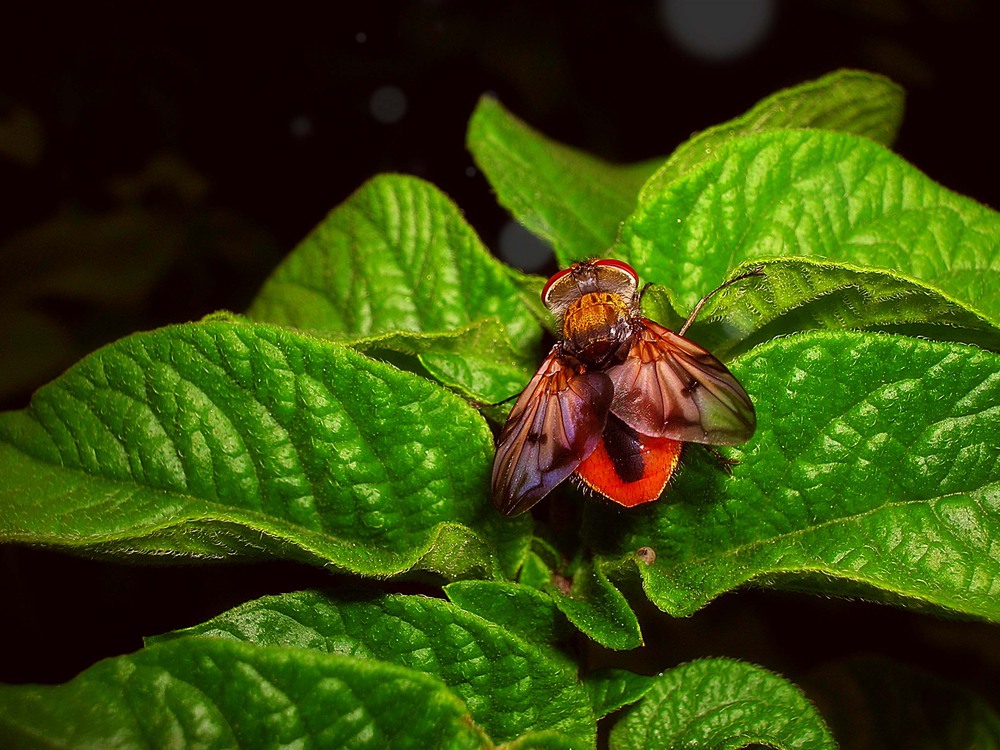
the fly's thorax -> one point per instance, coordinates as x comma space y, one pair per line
598, 328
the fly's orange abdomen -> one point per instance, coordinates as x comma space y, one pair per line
627, 467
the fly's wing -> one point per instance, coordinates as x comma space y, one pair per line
670, 387
555, 424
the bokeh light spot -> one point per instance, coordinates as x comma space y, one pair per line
300, 126
387, 104
718, 29
520, 248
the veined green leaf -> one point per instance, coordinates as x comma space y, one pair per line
597, 608
612, 688
565, 196
478, 360
519, 609
846, 101
544, 740
799, 294
530, 287
724, 704
874, 470
221, 439
397, 257
577, 201
535, 572
510, 686
816, 194
584, 597
205, 692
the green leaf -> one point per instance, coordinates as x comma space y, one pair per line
798, 295
891, 705
534, 572
202, 692
723, 704
538, 741
597, 608
521, 610
611, 689
873, 471
478, 360
219, 439
510, 686
584, 595
847, 101
818, 194
565, 196
577, 202
397, 257
530, 288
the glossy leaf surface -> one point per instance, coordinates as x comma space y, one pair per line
598, 609
795, 295
201, 692
873, 471
577, 201
398, 257
819, 194
519, 609
219, 439
724, 704
510, 686
611, 689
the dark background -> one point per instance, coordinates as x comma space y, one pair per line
155, 165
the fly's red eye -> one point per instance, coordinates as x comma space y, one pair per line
609, 262
553, 280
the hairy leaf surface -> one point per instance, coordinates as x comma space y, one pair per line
873, 471
577, 202
510, 686
397, 257
818, 194
724, 704
219, 439
203, 692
